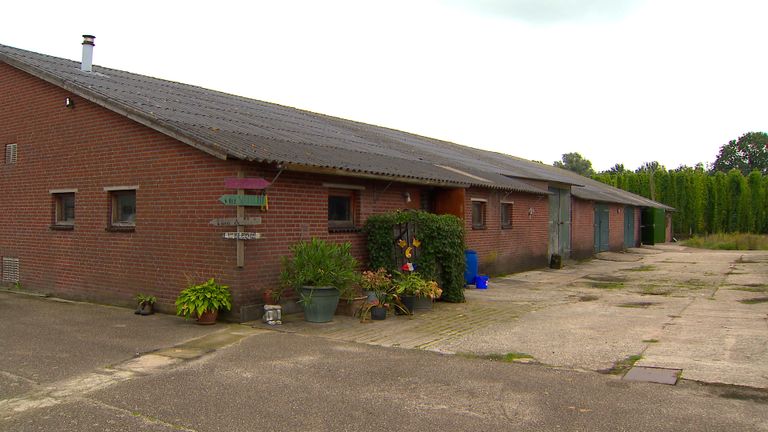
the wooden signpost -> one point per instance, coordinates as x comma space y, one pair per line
241, 200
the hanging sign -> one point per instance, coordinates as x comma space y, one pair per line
244, 200
246, 183
235, 221
241, 235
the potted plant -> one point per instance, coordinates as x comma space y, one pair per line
427, 296
320, 272
372, 282
351, 302
146, 304
408, 286
386, 297
204, 301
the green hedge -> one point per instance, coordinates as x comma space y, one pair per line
441, 255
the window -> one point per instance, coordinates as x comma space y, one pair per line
478, 214
10, 154
122, 208
65, 208
341, 209
506, 215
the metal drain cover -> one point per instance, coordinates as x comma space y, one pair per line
653, 374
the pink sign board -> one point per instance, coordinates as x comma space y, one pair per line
245, 183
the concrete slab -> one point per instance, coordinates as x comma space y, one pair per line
51, 341
86, 416
654, 375
283, 381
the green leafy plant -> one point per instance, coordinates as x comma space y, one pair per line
207, 296
386, 298
319, 263
143, 299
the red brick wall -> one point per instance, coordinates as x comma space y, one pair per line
523, 246
582, 228
616, 227
89, 148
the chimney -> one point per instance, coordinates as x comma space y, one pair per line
87, 63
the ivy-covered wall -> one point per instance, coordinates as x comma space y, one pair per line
441, 249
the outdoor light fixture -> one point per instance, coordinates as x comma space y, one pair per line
69, 102
407, 196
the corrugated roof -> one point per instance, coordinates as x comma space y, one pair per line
230, 126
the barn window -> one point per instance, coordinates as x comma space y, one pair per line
64, 208
506, 215
478, 213
122, 207
343, 206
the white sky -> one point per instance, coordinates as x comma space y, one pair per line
619, 81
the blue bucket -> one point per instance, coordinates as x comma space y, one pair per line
481, 282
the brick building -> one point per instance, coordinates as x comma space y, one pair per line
111, 186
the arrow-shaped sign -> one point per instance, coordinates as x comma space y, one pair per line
235, 221
246, 183
241, 235
244, 200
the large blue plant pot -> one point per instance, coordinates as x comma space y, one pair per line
320, 303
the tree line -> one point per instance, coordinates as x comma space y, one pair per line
728, 197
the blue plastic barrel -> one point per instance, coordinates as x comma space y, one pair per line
470, 271
481, 282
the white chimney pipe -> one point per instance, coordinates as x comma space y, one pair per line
87, 63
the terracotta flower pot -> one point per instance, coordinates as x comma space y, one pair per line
208, 317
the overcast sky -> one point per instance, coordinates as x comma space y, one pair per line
619, 81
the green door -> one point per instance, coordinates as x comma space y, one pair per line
602, 213
560, 222
653, 226
629, 227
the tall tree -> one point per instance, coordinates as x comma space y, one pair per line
748, 153
576, 163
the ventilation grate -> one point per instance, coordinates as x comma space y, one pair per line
10, 270
10, 153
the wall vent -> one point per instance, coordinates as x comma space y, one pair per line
10, 270
10, 153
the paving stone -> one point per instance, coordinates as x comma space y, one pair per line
654, 375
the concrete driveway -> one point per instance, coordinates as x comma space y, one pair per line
84, 367
700, 312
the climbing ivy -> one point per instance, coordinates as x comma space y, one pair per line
441, 256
